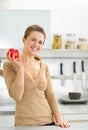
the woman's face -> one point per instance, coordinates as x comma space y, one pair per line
33, 43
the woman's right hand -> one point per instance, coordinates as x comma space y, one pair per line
16, 61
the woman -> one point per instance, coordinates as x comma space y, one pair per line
29, 83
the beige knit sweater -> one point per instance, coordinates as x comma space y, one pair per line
38, 102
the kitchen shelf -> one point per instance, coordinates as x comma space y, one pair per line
55, 53
65, 77
63, 54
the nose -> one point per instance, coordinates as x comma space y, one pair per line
36, 43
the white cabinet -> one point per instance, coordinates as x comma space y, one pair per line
76, 117
74, 113
6, 120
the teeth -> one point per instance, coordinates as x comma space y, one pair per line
34, 49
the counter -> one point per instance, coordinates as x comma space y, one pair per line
64, 109
71, 113
77, 126
73, 108
7, 109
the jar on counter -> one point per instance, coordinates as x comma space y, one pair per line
57, 42
70, 41
82, 44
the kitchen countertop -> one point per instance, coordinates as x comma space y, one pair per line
7, 109
64, 109
77, 126
74, 108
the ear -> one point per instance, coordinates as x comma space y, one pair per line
23, 39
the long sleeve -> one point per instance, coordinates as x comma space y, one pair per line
51, 97
15, 90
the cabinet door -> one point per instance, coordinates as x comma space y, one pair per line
76, 118
6, 120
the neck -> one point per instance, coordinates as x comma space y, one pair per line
27, 58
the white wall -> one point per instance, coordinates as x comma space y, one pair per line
66, 15
14, 22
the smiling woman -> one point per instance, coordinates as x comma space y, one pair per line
29, 83
34, 39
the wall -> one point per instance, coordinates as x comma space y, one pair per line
66, 15
14, 22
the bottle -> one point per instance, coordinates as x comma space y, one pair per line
82, 43
70, 41
57, 42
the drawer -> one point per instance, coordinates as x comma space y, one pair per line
6, 120
76, 117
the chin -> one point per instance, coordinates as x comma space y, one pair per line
34, 53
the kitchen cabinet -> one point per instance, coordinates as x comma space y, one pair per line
74, 113
6, 120
7, 114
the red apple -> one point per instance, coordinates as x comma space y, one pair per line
12, 52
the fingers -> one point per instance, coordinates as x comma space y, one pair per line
16, 61
66, 125
12, 58
63, 124
8, 56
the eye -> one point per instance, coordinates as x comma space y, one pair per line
40, 42
32, 39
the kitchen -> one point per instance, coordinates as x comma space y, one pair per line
72, 112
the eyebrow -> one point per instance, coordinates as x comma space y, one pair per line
37, 39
